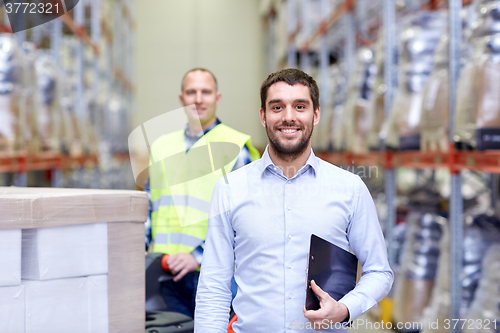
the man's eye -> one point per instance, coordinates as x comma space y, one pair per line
277, 108
300, 107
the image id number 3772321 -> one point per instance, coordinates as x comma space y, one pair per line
32, 8
470, 324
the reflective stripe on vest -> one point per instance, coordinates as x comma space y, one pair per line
181, 200
178, 238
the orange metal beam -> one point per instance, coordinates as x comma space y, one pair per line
78, 31
484, 161
22, 162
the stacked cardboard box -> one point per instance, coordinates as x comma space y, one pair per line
71, 260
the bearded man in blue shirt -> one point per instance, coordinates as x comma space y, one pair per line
262, 218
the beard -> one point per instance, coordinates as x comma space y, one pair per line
289, 152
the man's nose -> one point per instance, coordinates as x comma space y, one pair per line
289, 115
198, 97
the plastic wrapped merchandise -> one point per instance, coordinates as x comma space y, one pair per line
435, 107
71, 129
356, 117
478, 120
118, 130
71, 260
483, 232
376, 110
418, 43
397, 245
11, 78
339, 88
419, 268
29, 99
49, 117
485, 309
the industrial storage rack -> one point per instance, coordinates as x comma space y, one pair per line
117, 30
455, 161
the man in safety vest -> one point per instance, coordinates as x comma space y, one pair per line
181, 186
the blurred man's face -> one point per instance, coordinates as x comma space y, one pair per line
199, 88
289, 118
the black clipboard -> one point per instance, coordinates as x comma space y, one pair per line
332, 268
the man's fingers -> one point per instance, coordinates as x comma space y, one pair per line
181, 274
173, 259
318, 291
314, 315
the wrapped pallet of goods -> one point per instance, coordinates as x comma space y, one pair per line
30, 99
434, 118
12, 125
356, 117
418, 272
478, 237
50, 111
484, 314
376, 108
70, 104
62, 266
418, 43
339, 90
478, 114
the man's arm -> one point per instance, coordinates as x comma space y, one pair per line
368, 244
213, 297
147, 225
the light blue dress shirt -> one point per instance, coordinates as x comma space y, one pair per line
262, 222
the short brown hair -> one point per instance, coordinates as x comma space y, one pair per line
290, 76
201, 69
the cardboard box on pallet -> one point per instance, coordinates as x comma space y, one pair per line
10, 257
57, 305
64, 252
123, 211
12, 309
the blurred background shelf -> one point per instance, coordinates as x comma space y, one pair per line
403, 85
77, 104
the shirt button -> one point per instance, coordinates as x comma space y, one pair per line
289, 208
289, 266
289, 236
290, 296
289, 182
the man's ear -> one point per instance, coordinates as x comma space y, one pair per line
218, 97
317, 115
181, 100
262, 116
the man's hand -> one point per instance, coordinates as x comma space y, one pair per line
180, 264
329, 309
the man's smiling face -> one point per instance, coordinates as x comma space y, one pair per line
289, 118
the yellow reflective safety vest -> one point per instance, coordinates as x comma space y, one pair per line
181, 184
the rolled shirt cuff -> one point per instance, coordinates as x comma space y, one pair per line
353, 306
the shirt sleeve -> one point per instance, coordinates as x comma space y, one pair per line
367, 242
213, 297
147, 225
197, 253
244, 158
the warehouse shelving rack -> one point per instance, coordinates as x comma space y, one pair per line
454, 160
118, 74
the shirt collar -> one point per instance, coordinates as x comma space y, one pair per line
267, 163
197, 136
